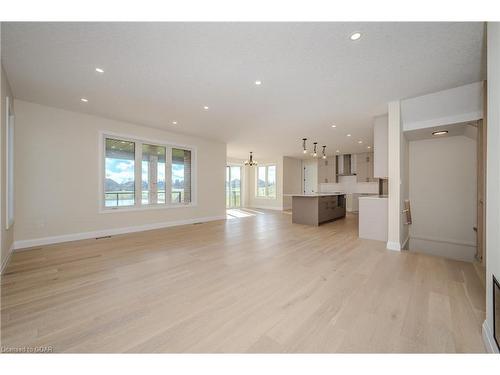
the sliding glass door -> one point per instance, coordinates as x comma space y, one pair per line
233, 186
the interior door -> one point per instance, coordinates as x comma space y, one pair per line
233, 186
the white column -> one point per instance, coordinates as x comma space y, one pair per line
394, 156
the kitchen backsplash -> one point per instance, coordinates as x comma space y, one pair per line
349, 184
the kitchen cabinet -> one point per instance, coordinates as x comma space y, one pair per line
373, 217
315, 209
364, 167
326, 170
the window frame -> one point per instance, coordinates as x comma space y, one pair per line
139, 141
267, 196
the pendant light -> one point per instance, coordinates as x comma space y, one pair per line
315, 154
250, 161
324, 152
304, 149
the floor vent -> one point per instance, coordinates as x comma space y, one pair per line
103, 237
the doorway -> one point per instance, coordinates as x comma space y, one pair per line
233, 186
442, 179
310, 185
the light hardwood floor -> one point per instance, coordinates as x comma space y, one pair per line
255, 284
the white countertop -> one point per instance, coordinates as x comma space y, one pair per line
315, 195
373, 197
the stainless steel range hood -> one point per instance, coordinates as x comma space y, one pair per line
345, 165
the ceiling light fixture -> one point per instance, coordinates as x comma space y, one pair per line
258, 83
360, 142
338, 151
440, 132
355, 36
99, 70
324, 152
85, 100
174, 122
304, 149
205, 108
250, 161
369, 147
348, 135
314, 151
334, 126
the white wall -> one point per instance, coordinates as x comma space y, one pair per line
380, 147
292, 179
266, 203
7, 236
57, 176
460, 104
443, 176
493, 177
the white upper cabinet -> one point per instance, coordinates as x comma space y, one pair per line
380, 147
326, 170
364, 167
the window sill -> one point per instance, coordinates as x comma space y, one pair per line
144, 208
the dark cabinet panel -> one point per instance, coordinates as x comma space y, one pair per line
330, 208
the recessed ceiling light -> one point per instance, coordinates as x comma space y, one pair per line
174, 122
99, 70
360, 142
348, 135
337, 151
334, 126
205, 108
85, 100
355, 36
369, 147
258, 83
440, 132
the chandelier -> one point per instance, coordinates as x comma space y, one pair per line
250, 161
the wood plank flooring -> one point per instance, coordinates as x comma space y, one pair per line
252, 284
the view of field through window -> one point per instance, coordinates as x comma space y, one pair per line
119, 183
266, 181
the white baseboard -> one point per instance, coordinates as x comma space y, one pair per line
395, 246
446, 248
26, 244
489, 341
7, 258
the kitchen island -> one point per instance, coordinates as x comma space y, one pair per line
316, 209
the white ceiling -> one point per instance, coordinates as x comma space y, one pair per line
313, 75
467, 129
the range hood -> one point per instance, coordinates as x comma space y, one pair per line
345, 165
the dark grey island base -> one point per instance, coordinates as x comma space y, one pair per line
316, 209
